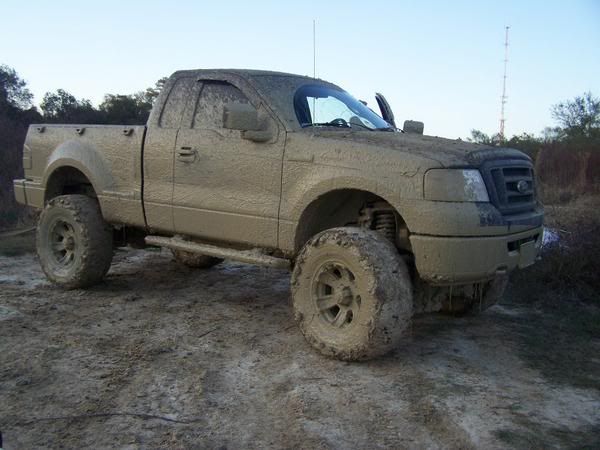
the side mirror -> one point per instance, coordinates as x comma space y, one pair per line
240, 116
244, 117
412, 126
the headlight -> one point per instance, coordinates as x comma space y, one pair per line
455, 185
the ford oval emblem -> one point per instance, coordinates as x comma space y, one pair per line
522, 186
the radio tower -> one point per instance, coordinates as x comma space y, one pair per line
504, 97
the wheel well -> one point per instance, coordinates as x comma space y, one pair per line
352, 207
68, 180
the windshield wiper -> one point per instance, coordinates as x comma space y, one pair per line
326, 124
340, 123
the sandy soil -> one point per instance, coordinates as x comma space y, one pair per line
164, 356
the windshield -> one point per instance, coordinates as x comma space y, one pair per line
318, 105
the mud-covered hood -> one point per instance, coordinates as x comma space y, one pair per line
446, 152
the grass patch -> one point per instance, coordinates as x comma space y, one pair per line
572, 265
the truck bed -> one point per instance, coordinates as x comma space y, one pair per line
109, 156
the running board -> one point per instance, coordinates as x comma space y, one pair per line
246, 256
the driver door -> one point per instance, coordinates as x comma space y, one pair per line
226, 188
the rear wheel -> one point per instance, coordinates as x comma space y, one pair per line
351, 294
195, 260
74, 243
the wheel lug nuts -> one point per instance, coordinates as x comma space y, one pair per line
346, 297
70, 244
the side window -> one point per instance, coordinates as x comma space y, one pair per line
180, 94
211, 102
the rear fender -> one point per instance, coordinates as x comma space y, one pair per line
85, 158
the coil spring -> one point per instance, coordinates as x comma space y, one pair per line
384, 222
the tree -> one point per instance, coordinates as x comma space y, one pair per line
580, 117
124, 109
527, 143
479, 137
149, 95
61, 106
551, 134
13, 90
16, 113
131, 109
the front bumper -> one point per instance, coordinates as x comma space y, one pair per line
455, 260
29, 193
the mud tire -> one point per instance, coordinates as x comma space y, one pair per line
195, 260
378, 294
73, 225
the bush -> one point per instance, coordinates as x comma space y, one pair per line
571, 263
566, 170
12, 135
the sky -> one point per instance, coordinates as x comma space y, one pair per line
440, 62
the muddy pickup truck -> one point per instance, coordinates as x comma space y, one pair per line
376, 223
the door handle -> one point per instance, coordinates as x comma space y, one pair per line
187, 154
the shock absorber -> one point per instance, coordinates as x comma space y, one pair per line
384, 222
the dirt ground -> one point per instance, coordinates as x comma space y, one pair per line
161, 356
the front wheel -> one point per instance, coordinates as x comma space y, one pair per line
351, 293
74, 243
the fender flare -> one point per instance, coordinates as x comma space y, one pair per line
83, 157
380, 189
343, 183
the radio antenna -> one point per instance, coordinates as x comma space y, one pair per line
314, 48
314, 102
504, 97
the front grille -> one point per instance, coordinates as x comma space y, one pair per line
511, 185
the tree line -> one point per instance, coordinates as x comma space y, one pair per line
62, 107
577, 120
577, 127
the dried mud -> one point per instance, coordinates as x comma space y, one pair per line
163, 356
